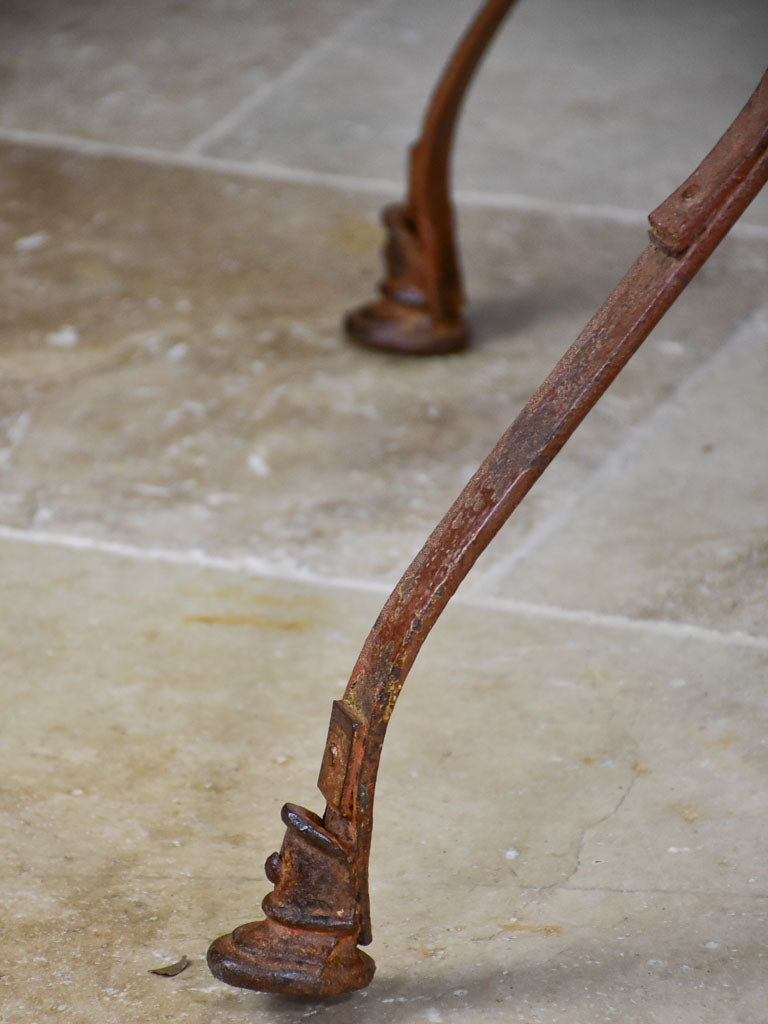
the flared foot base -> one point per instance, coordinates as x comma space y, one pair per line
409, 330
271, 957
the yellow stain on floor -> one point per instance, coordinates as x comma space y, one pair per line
255, 621
688, 812
537, 929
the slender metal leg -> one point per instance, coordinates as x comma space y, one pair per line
419, 311
319, 911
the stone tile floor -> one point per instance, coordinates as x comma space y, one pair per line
205, 494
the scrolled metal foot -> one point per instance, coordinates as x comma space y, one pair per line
307, 944
270, 957
404, 320
392, 326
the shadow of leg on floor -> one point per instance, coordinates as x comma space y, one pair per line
509, 315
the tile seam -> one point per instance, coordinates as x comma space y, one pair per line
619, 456
247, 565
651, 890
252, 566
260, 170
228, 122
605, 620
257, 170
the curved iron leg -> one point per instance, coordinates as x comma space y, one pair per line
419, 311
318, 911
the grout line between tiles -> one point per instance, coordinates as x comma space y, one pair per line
257, 169
587, 617
252, 566
652, 891
261, 170
249, 104
620, 457
248, 565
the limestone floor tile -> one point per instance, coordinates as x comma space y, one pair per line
675, 526
152, 72
569, 820
173, 373
362, 101
597, 102
605, 102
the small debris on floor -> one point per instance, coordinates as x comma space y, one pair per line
171, 970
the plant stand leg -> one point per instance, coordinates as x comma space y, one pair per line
419, 311
318, 913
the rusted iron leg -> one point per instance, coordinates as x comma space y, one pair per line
318, 912
419, 311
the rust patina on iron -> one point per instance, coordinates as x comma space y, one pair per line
419, 311
318, 913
